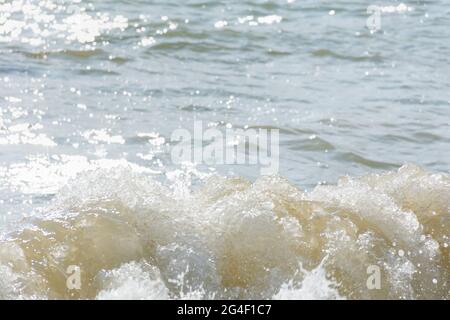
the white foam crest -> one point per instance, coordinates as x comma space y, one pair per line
132, 281
315, 285
47, 174
135, 237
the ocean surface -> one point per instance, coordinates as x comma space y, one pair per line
91, 92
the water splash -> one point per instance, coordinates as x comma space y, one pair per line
134, 237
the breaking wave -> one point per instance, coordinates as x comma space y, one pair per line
136, 238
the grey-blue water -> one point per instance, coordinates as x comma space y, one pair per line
87, 85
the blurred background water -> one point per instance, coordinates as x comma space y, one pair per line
84, 81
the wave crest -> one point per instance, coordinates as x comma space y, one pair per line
134, 237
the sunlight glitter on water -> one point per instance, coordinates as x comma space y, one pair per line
91, 93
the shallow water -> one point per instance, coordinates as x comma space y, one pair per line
90, 93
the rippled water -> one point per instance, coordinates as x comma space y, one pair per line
90, 93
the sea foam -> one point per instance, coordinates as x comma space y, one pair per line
136, 238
